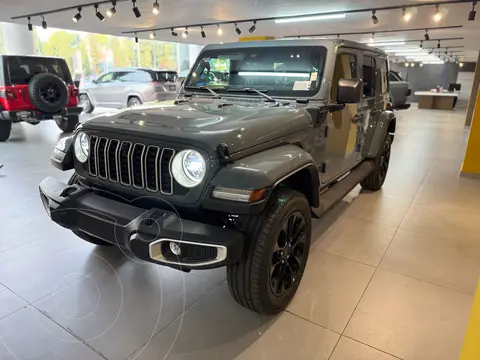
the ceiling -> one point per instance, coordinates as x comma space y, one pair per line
175, 13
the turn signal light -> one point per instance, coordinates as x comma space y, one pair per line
241, 195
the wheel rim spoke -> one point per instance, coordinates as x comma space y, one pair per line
288, 254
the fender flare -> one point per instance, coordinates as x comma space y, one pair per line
386, 122
271, 168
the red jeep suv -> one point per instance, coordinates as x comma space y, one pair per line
35, 88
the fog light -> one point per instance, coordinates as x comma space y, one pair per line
175, 248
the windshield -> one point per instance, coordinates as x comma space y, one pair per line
289, 71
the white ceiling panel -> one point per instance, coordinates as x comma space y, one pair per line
176, 13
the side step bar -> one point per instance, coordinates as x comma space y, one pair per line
338, 191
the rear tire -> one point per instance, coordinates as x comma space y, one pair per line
68, 124
88, 238
269, 272
134, 101
5, 130
375, 180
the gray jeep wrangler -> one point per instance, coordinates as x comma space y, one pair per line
264, 136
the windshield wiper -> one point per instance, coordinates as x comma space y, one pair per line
205, 88
252, 90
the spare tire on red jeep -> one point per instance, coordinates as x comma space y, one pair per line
48, 93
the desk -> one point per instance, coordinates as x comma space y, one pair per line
434, 100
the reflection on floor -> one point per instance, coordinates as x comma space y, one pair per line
391, 274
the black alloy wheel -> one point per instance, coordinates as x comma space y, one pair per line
50, 93
288, 254
385, 160
375, 180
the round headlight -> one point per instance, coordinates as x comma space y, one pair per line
81, 147
189, 168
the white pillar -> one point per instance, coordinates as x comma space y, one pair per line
18, 40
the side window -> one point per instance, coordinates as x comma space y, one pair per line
124, 76
368, 76
392, 77
382, 76
105, 78
345, 68
142, 76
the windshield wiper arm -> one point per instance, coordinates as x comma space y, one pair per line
252, 90
205, 88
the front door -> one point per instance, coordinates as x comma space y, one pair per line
341, 149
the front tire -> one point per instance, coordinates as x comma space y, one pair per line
86, 104
375, 180
84, 236
5, 130
271, 268
68, 124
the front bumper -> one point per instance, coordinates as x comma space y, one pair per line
146, 233
33, 115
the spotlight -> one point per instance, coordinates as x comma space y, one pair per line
219, 30
438, 44
237, 29
407, 64
185, 33
30, 26
461, 64
412, 65
76, 18
98, 14
203, 33
374, 17
421, 45
156, 8
253, 28
427, 37
174, 33
437, 15
112, 11
136, 38
406, 16
472, 13
372, 38
135, 9
446, 51
153, 35
421, 64
44, 23
430, 52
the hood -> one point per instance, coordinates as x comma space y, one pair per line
206, 124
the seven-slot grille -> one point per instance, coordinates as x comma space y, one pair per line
131, 164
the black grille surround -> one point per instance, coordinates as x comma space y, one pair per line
133, 164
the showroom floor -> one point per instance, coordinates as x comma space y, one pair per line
391, 276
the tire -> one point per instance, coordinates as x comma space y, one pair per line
88, 238
48, 93
68, 124
5, 130
134, 101
253, 281
85, 102
375, 180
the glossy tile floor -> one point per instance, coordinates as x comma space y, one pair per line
391, 274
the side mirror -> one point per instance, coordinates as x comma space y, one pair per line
350, 91
94, 81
